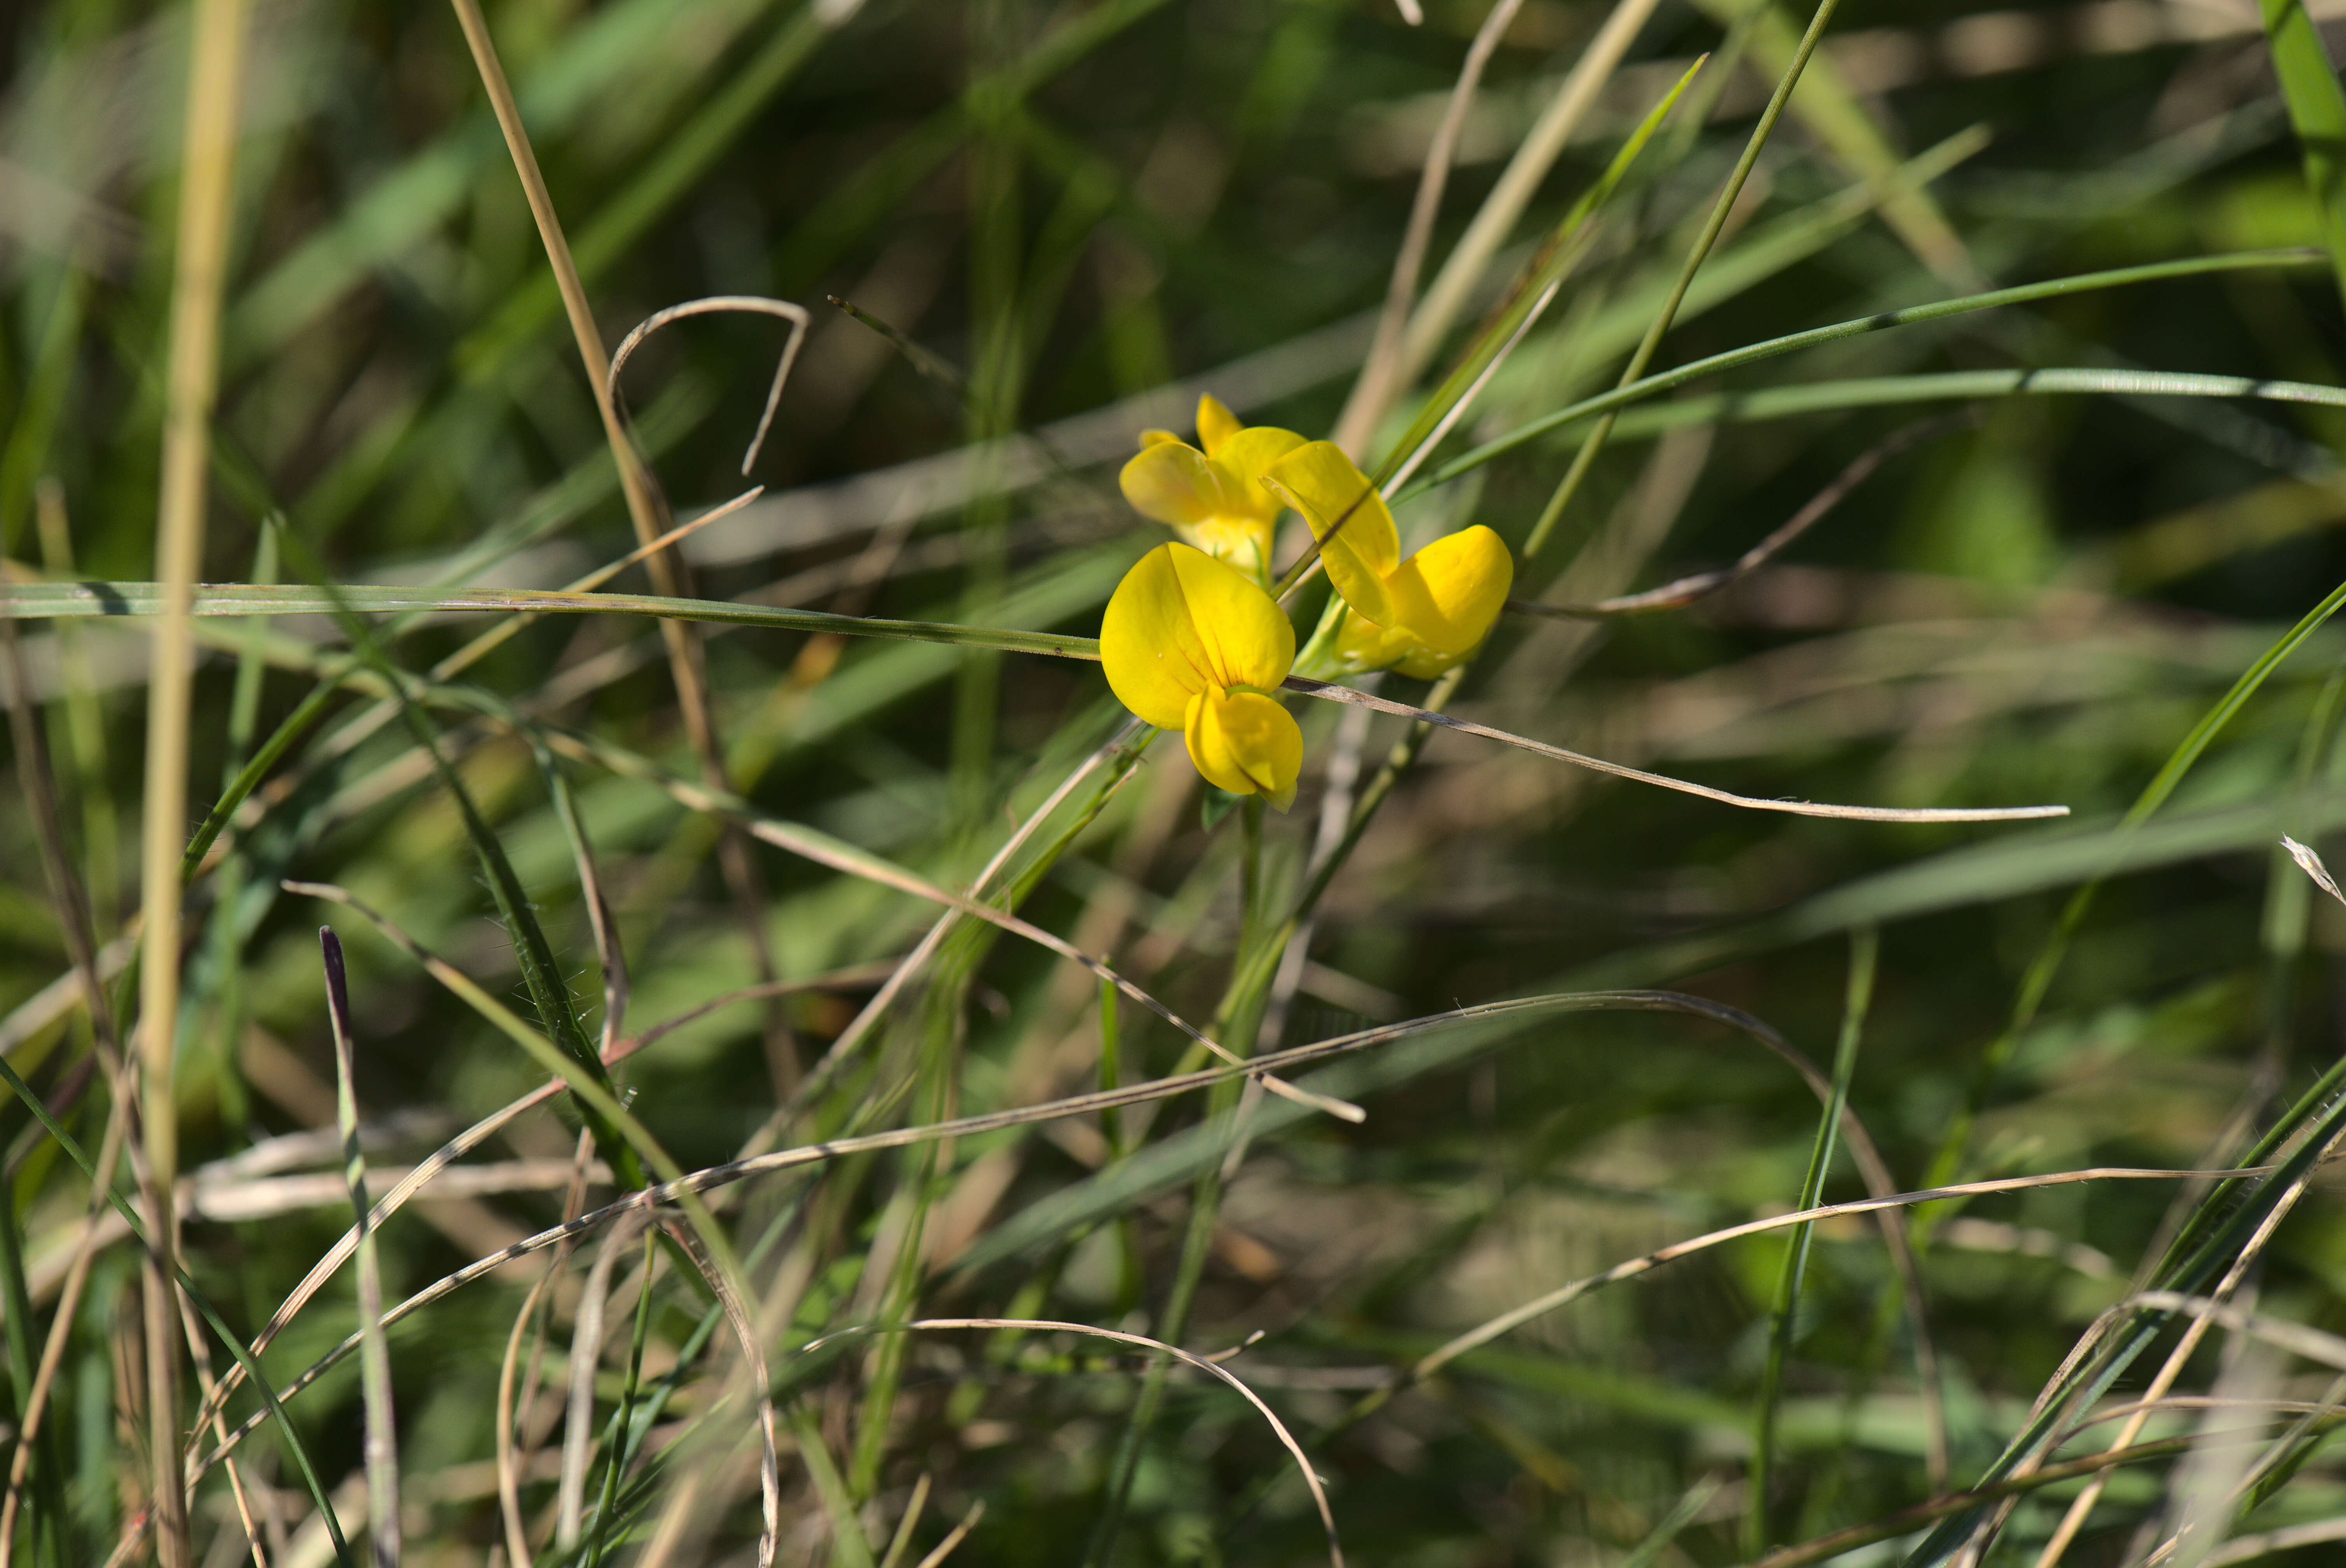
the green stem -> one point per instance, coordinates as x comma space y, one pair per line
616, 1453
1721, 209
1864, 948
1236, 1023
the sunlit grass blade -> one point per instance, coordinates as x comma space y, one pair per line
1730, 193
37, 600
1332, 693
1732, 359
1563, 248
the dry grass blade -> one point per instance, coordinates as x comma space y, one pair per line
842, 856
2304, 855
1823, 1548
1378, 382
1329, 692
1482, 1334
517, 1531
647, 510
725, 1283
586, 1360
2266, 1543
381, 1445
1722, 210
1496, 219
812, 1154
2298, 1339
1129, 742
2204, 1314
1684, 591
197, 288
902, 1542
443, 1160
750, 304
1212, 1368
955, 1536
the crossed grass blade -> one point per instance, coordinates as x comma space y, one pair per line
1733, 358
1564, 247
46, 599
1506, 1016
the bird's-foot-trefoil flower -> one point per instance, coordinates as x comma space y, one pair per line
1422, 616
1212, 493
1194, 645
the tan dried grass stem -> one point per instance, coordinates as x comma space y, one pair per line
198, 285
1381, 373
1455, 283
646, 509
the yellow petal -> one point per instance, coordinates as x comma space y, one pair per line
1245, 743
1181, 622
1148, 647
1362, 645
1174, 483
1358, 542
1244, 455
1244, 636
1447, 595
1241, 542
1216, 424
1149, 438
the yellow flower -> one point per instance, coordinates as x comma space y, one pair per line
1423, 616
1213, 498
1193, 645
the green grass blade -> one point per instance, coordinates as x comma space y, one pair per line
2038, 980
380, 1445
2317, 109
1697, 254
1733, 358
1563, 248
261, 1383
1864, 949
37, 600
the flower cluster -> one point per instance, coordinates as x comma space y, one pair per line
1194, 640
